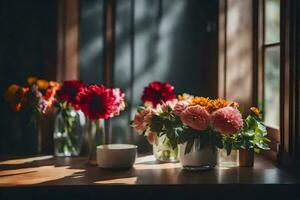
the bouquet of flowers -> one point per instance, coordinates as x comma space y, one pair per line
156, 121
94, 101
33, 102
37, 95
219, 123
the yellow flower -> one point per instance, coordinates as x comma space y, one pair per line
202, 101
31, 80
256, 111
216, 104
42, 84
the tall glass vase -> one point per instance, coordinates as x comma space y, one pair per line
69, 130
96, 136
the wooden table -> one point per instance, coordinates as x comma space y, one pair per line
48, 176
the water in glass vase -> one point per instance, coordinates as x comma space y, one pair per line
163, 151
69, 132
226, 161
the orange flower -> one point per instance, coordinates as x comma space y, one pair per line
42, 84
31, 80
15, 95
216, 104
51, 93
201, 101
256, 111
11, 92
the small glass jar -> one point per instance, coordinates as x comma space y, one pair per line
199, 158
163, 150
69, 133
226, 161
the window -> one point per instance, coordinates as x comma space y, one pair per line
271, 62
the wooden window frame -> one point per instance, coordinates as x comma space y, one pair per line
286, 139
259, 48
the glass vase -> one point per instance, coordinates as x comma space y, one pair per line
199, 158
69, 133
163, 150
226, 161
96, 136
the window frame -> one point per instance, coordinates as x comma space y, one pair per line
284, 143
259, 48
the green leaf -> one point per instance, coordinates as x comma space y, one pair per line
140, 108
189, 146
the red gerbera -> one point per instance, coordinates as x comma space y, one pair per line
157, 92
99, 102
69, 92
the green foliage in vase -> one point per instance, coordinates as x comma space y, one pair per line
253, 135
207, 137
68, 114
165, 122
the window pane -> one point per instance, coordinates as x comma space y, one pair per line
272, 85
272, 21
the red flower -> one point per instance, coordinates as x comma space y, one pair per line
69, 91
157, 92
99, 102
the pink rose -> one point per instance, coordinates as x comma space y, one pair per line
141, 120
196, 117
227, 120
180, 107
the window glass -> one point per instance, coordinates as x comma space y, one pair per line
272, 21
272, 86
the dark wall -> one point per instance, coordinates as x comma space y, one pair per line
27, 43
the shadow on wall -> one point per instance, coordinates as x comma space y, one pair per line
171, 43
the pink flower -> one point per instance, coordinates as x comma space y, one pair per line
165, 106
119, 101
180, 107
227, 120
141, 120
196, 117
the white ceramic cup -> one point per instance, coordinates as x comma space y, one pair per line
116, 155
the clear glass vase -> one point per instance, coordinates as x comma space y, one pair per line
163, 150
96, 136
226, 161
69, 133
199, 158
